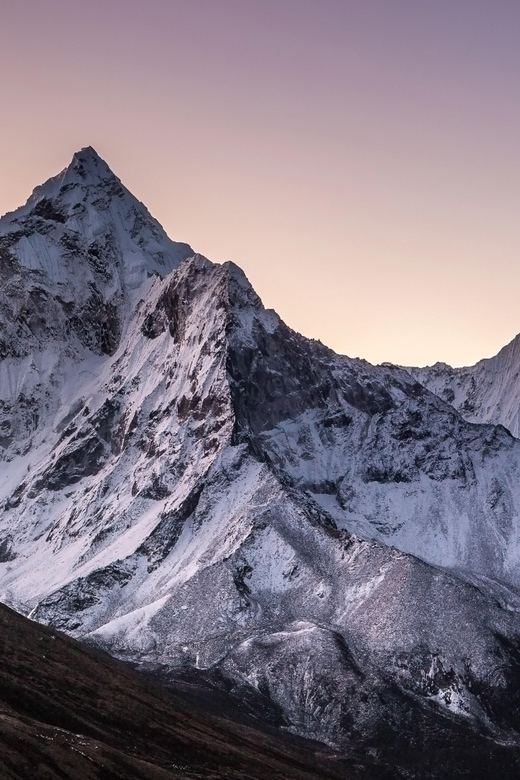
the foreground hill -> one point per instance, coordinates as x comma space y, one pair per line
67, 711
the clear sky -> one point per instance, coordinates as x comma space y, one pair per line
359, 159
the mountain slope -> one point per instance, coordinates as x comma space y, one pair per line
488, 392
209, 490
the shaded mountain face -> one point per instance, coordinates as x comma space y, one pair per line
212, 491
488, 392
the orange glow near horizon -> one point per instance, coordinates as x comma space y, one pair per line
359, 161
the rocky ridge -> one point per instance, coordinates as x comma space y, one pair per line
488, 392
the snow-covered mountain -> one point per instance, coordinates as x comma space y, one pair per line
488, 392
189, 483
75, 261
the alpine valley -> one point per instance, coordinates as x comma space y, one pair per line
200, 491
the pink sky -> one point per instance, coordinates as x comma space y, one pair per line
359, 159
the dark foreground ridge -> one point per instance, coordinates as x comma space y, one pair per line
68, 711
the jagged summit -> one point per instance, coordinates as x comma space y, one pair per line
86, 168
79, 252
86, 171
86, 211
74, 261
88, 157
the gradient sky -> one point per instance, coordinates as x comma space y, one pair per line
359, 159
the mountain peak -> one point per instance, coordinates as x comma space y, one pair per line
83, 230
89, 166
87, 153
86, 170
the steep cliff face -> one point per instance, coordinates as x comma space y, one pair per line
189, 483
383, 456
